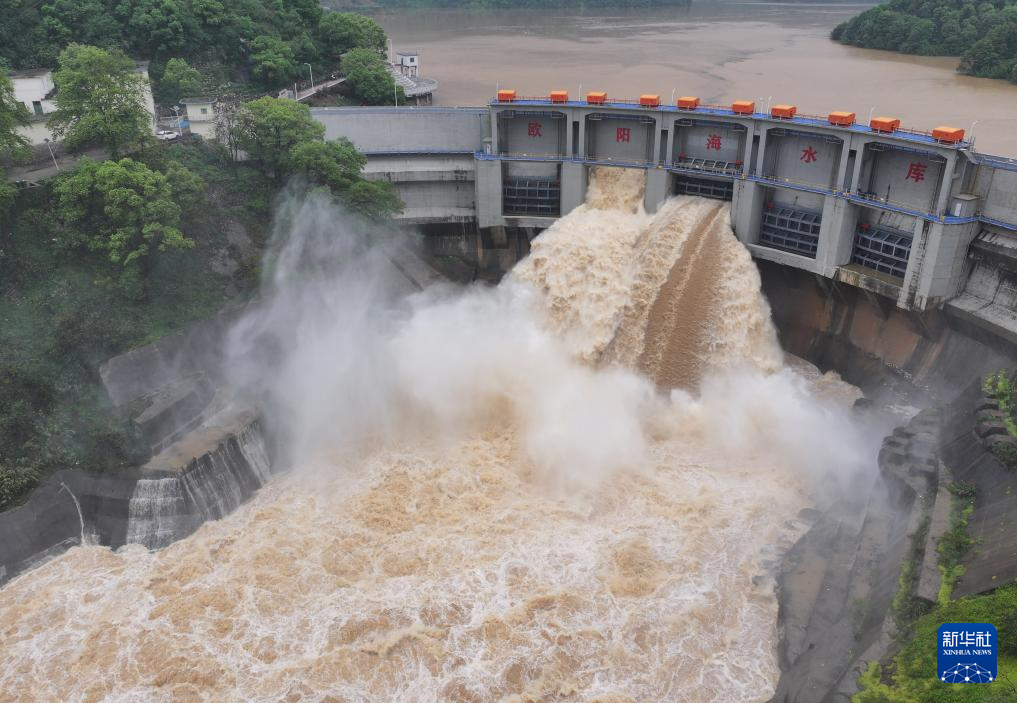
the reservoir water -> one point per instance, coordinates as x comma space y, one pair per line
719, 50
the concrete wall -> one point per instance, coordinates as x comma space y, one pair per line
628, 140
34, 86
850, 175
715, 142
999, 189
889, 178
412, 129
533, 134
432, 188
799, 159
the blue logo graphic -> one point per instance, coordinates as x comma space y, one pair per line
967, 652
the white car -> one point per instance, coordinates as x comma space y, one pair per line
166, 135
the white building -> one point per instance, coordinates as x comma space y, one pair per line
200, 114
407, 62
35, 88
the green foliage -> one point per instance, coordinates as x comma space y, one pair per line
912, 676
340, 32
367, 77
1005, 452
955, 543
999, 386
100, 101
268, 128
963, 489
337, 166
983, 34
57, 324
229, 38
125, 210
274, 62
178, 80
281, 135
15, 482
873, 690
7, 193
13, 114
905, 606
508, 4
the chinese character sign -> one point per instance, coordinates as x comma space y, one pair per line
809, 155
623, 134
966, 653
916, 172
533, 129
713, 142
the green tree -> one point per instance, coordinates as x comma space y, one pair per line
338, 166
268, 128
178, 80
158, 27
368, 78
341, 31
100, 100
13, 114
273, 60
123, 209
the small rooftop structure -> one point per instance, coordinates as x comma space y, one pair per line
29, 73
408, 62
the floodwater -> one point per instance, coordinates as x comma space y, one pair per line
719, 50
572, 487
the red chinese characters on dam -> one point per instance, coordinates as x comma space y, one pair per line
713, 142
809, 155
916, 172
623, 134
533, 129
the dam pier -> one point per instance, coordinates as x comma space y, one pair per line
918, 218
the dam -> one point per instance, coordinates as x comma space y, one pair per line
918, 218
591, 482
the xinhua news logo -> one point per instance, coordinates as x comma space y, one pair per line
967, 652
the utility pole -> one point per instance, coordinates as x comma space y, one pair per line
309, 70
51, 155
176, 111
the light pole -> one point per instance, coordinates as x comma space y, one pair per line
872, 111
176, 111
309, 70
51, 154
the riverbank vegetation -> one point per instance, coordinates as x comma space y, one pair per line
911, 677
984, 35
237, 46
70, 299
1000, 388
110, 255
503, 4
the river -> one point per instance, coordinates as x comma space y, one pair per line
721, 50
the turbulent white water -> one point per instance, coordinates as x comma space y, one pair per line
563, 488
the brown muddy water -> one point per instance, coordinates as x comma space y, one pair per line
578, 495
719, 50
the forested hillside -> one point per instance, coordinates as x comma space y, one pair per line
500, 4
983, 34
237, 46
33, 32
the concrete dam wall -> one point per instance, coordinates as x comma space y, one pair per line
920, 222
